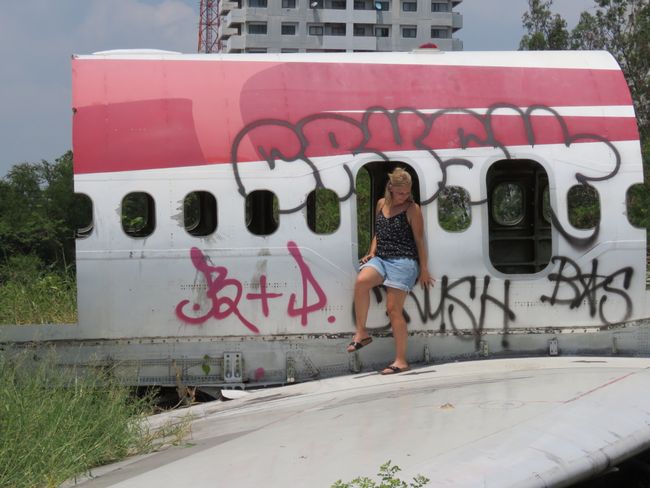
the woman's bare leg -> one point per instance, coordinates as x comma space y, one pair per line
367, 279
395, 308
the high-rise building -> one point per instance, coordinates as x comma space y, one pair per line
337, 25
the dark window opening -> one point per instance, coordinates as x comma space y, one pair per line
323, 211
409, 32
439, 33
583, 206
638, 214
138, 214
82, 215
370, 186
289, 29
262, 212
315, 30
200, 213
382, 32
439, 7
519, 233
257, 28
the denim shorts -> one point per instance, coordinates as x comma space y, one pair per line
400, 273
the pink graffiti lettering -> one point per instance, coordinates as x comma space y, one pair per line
263, 295
217, 280
223, 305
307, 280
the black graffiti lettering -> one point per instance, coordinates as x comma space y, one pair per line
592, 288
454, 309
351, 135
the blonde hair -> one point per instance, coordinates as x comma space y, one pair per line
400, 178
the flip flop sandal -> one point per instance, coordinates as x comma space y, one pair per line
359, 345
393, 370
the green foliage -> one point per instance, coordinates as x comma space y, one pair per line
583, 206
31, 294
39, 212
327, 211
387, 479
454, 209
364, 211
544, 30
622, 27
58, 423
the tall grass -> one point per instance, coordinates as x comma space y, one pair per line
32, 294
56, 423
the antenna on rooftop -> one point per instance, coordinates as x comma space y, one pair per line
209, 27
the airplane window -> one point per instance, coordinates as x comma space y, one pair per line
519, 224
583, 206
370, 186
638, 214
546, 205
364, 211
200, 213
82, 215
454, 210
508, 204
323, 211
638, 205
138, 214
262, 212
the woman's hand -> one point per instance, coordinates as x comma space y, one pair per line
366, 258
425, 279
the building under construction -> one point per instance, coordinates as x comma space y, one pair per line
327, 25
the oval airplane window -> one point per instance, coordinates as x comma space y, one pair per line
82, 215
508, 204
546, 204
454, 209
262, 212
138, 214
583, 206
323, 211
638, 205
200, 213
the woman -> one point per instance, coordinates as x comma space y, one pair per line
396, 259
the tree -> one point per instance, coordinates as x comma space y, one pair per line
622, 27
39, 212
545, 30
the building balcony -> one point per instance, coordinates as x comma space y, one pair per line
234, 17
234, 44
442, 19
225, 7
225, 32
456, 21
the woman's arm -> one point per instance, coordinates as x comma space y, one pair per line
414, 214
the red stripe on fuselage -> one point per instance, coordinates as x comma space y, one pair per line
145, 114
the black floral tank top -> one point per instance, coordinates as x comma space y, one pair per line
395, 237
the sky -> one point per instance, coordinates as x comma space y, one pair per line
37, 38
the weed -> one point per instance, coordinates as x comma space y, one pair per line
388, 479
56, 423
29, 295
